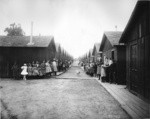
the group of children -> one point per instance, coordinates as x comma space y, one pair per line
36, 69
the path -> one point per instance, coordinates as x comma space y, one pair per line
69, 96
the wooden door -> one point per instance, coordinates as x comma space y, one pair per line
133, 67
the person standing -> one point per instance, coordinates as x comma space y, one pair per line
103, 72
15, 70
48, 68
43, 68
24, 71
29, 69
54, 64
99, 68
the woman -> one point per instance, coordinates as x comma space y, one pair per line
43, 68
54, 64
103, 72
48, 68
35, 70
29, 69
99, 68
24, 71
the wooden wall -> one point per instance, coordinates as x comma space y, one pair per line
139, 35
22, 55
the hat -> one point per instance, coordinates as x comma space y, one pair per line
25, 64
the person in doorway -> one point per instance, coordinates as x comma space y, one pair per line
24, 71
54, 64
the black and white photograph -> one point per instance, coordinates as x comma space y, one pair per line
74, 59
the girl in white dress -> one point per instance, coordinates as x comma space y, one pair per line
48, 68
24, 71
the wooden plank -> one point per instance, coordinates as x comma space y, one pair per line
123, 104
135, 97
130, 103
140, 103
125, 100
131, 112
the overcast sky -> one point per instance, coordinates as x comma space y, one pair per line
75, 24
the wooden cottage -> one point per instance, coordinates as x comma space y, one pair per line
17, 49
136, 36
58, 51
111, 48
90, 56
96, 52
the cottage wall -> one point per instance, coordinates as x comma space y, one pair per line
22, 55
121, 64
138, 41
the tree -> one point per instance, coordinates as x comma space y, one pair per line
14, 30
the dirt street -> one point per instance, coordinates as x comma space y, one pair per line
69, 96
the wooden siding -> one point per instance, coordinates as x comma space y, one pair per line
21, 55
139, 34
121, 64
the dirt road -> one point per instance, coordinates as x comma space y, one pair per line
69, 96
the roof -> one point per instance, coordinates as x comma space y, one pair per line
113, 37
90, 52
97, 45
140, 7
22, 41
57, 46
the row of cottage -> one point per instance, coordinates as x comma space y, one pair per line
21, 49
130, 49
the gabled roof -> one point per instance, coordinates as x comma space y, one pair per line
141, 6
112, 36
96, 48
90, 52
22, 41
97, 45
57, 46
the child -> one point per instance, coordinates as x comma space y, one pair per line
24, 71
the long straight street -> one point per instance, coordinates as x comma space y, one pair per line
72, 95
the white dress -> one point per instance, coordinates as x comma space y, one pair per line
24, 70
48, 67
54, 66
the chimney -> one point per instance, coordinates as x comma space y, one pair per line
31, 39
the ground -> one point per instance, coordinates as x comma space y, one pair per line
69, 96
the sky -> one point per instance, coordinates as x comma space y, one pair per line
75, 24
